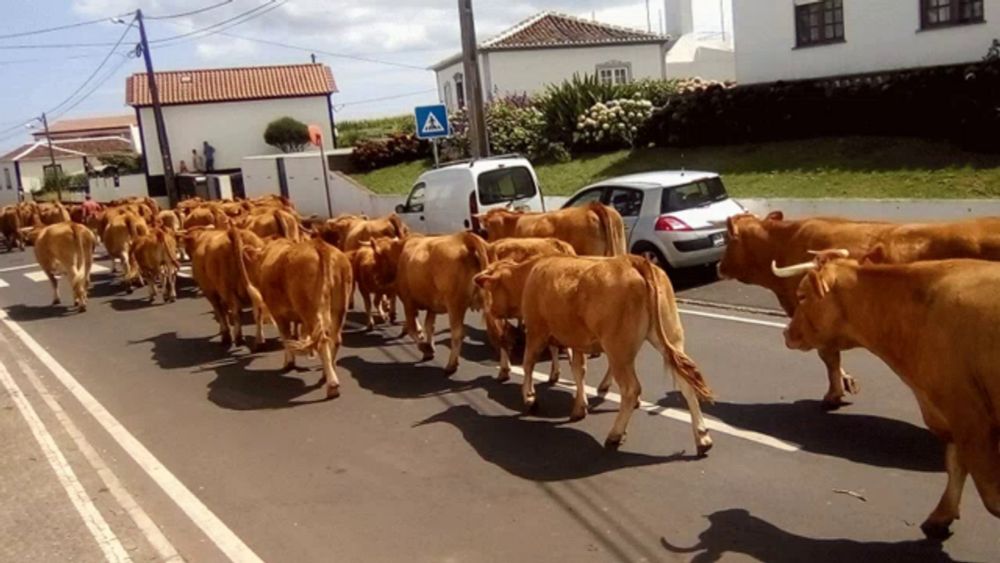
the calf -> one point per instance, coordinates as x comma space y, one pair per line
67, 248
936, 325
122, 230
373, 288
594, 230
154, 257
304, 282
599, 305
360, 231
434, 274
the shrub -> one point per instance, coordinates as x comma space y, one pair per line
378, 153
287, 134
515, 125
124, 163
614, 123
350, 132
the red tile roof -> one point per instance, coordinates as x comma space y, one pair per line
90, 123
232, 84
552, 29
70, 148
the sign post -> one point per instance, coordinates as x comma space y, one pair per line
432, 124
316, 138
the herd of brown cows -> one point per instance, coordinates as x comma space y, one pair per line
921, 297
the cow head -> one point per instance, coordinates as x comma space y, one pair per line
387, 252
400, 228
748, 248
498, 223
819, 319
502, 286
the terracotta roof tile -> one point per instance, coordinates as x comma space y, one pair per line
88, 123
232, 84
67, 148
551, 29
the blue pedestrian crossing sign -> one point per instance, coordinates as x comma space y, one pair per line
432, 122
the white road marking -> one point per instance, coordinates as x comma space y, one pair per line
677, 414
106, 539
3, 284
743, 320
160, 543
15, 268
99, 269
38, 276
214, 528
185, 272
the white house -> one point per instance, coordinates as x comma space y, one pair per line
800, 39
24, 168
549, 48
705, 54
229, 108
125, 126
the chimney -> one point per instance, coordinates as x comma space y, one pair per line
679, 17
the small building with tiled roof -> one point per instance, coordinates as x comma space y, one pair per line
549, 48
25, 167
125, 126
227, 108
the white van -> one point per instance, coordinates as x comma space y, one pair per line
445, 200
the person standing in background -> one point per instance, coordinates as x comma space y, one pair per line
209, 152
197, 162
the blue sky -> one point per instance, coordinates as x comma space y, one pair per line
399, 34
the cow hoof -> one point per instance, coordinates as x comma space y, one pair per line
240, 341
450, 370
553, 379
56, 302
82, 309
613, 443
333, 391
578, 416
427, 350
531, 405
937, 531
703, 449
227, 342
851, 385
504, 375
833, 404
602, 391
289, 367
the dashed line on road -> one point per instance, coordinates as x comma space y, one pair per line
41, 276
214, 528
676, 414
16, 268
98, 527
3, 284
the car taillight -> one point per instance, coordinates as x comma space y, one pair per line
671, 223
473, 211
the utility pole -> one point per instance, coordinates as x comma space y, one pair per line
161, 129
478, 144
52, 158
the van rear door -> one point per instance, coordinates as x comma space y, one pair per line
510, 186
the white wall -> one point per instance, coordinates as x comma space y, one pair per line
690, 57
104, 190
33, 175
8, 196
880, 35
446, 76
235, 129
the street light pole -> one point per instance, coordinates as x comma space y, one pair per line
161, 129
478, 144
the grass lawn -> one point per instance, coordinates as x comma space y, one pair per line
861, 167
351, 131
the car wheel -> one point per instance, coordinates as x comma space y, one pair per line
652, 254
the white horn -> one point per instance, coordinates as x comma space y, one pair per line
792, 271
842, 252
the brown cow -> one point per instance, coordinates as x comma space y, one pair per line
390, 226
215, 268
273, 222
67, 248
610, 305
374, 288
594, 230
519, 250
936, 325
154, 257
434, 274
10, 227
755, 243
122, 230
52, 213
301, 282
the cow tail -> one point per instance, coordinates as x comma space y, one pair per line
133, 228
80, 258
256, 299
325, 290
279, 222
613, 227
478, 249
682, 364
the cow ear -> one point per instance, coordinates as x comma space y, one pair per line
877, 255
775, 216
484, 280
732, 227
819, 285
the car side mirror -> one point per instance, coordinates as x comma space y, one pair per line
400, 208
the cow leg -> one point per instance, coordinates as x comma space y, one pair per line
577, 365
456, 325
840, 381
504, 374
979, 449
411, 326
331, 348
367, 300
554, 354
152, 283
605, 385
535, 342
222, 316
947, 511
55, 287
287, 337
628, 382
237, 323
427, 346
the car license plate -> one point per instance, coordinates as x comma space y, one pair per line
718, 239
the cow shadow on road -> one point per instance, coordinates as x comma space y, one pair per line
861, 438
404, 380
27, 313
171, 351
236, 387
737, 532
539, 450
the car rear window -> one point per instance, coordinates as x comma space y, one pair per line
696, 194
506, 184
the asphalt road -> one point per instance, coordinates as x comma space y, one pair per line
226, 455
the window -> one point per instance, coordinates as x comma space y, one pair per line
696, 194
943, 13
819, 22
460, 89
614, 72
506, 185
52, 170
6, 176
627, 202
586, 198
415, 203
449, 100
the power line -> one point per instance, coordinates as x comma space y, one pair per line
318, 51
191, 13
99, 67
235, 20
57, 28
382, 99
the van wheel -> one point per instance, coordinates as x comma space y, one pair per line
651, 253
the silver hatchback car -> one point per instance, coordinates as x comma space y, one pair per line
671, 217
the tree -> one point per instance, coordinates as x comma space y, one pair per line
287, 134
